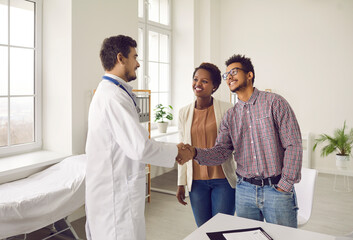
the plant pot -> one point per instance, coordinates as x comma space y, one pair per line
162, 127
342, 161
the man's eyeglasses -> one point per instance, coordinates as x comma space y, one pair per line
232, 72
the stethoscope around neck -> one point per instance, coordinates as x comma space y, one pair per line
122, 87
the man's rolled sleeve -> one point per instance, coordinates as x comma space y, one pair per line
285, 185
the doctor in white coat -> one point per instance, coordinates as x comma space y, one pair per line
118, 148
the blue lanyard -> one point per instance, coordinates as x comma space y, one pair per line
119, 84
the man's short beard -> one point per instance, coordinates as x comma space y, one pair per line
129, 77
240, 87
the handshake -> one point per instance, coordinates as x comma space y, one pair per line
185, 153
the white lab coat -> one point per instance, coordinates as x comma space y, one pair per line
117, 150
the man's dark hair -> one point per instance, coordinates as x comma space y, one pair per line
112, 46
214, 72
245, 63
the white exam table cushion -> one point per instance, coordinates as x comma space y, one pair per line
43, 198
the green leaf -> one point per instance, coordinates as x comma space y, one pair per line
341, 142
161, 113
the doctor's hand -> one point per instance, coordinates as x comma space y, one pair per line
181, 195
185, 153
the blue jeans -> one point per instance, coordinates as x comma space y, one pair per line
209, 197
267, 202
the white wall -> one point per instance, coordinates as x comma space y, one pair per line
92, 22
72, 35
182, 54
57, 70
207, 37
302, 50
195, 40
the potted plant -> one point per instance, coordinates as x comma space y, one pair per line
341, 142
160, 114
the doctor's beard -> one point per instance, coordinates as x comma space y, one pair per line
130, 77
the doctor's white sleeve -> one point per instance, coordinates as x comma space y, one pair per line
132, 137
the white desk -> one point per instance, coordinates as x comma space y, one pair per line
223, 222
170, 136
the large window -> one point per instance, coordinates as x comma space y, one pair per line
19, 76
154, 47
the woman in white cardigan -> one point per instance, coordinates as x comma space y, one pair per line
211, 188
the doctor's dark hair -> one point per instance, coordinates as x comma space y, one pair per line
112, 46
245, 63
214, 72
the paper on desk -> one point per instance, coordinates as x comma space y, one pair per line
249, 235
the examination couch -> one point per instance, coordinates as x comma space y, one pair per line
43, 198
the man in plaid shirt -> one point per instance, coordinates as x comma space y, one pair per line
262, 132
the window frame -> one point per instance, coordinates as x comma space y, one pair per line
147, 26
37, 95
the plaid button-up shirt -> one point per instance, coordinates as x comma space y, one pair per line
264, 136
